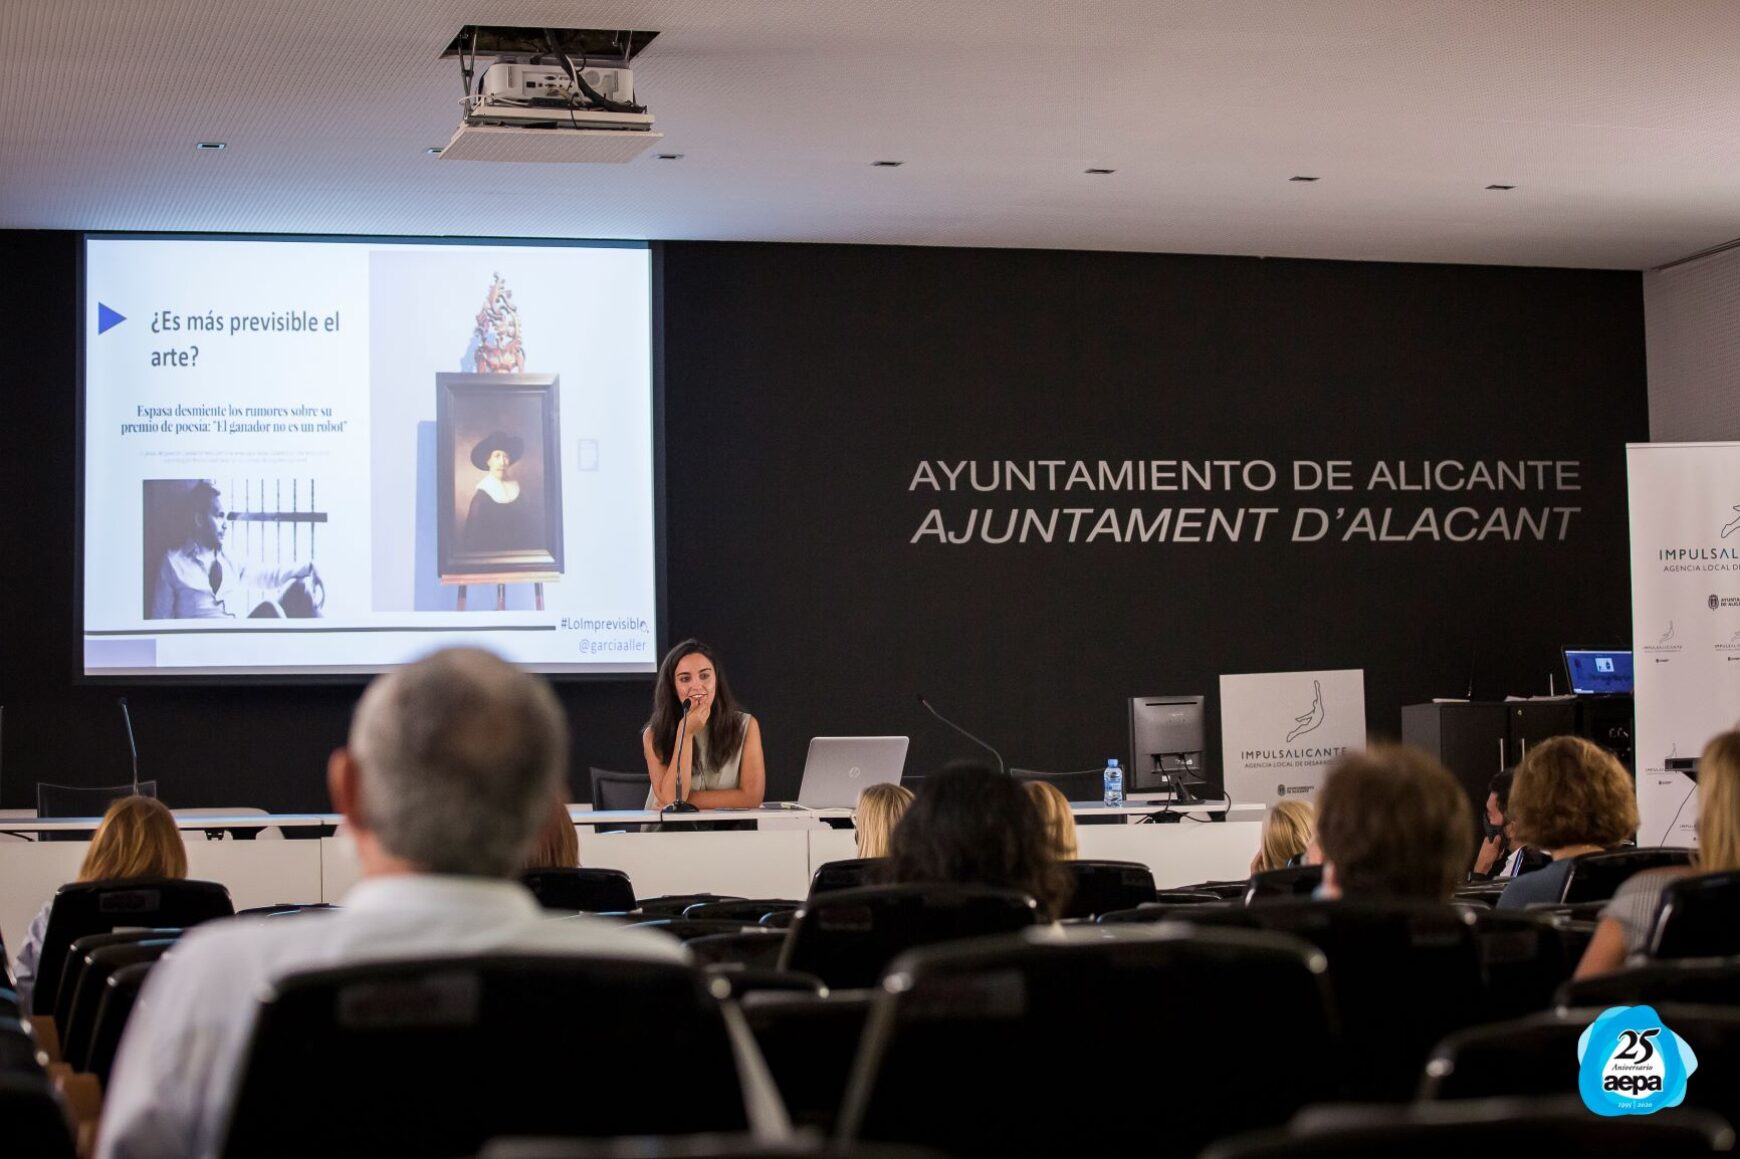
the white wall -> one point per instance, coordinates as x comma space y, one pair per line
1692, 324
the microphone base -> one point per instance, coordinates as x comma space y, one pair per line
680, 807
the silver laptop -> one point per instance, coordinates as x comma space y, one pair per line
840, 767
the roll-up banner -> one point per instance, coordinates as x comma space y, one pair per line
1280, 731
1685, 619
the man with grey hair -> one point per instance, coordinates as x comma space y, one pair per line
451, 766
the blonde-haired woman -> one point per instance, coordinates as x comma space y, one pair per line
1053, 806
1288, 832
137, 839
879, 810
1628, 920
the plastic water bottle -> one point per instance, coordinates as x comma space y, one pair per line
1114, 785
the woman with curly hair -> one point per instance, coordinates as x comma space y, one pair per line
1570, 797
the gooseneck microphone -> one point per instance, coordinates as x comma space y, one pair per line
678, 805
127, 718
1001, 767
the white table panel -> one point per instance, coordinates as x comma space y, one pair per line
750, 864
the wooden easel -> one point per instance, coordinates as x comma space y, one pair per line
536, 579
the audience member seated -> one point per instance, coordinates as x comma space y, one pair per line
557, 845
449, 770
1059, 821
1392, 824
880, 808
1628, 920
1570, 797
974, 826
1288, 831
137, 838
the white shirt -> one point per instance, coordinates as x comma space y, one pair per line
30, 956
178, 1064
183, 588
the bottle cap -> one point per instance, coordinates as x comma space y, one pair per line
1112, 764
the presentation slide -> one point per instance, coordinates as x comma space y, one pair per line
325, 457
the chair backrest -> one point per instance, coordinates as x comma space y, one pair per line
98, 907
672, 905
1189, 897
468, 1049
809, 1043
1537, 1056
79, 1030
779, 919
19, 1052
1456, 1130
120, 994
1086, 785
1524, 959
598, 891
614, 791
755, 947
234, 833
846, 937
1384, 958
1103, 886
962, 1019
35, 1123
1288, 881
1598, 876
1167, 910
687, 929
850, 873
54, 801
742, 910
1712, 982
76, 957
1699, 918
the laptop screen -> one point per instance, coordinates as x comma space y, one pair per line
1593, 673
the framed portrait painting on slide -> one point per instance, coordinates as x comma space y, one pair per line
499, 476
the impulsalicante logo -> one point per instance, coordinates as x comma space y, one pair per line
1630, 1063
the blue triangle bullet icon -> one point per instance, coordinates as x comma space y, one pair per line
108, 319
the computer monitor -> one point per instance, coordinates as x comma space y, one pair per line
1598, 673
1166, 742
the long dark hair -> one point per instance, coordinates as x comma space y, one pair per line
725, 728
969, 824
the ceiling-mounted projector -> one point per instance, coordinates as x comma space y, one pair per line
532, 111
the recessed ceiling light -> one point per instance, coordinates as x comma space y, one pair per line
434, 150
887, 164
669, 156
1501, 187
1099, 172
210, 145
1301, 178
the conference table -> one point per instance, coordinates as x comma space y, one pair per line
1181, 844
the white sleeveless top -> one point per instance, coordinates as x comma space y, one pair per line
705, 776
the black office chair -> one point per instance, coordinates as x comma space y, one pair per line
1712, 982
738, 982
57, 801
437, 1056
688, 929
98, 907
1537, 1056
1188, 897
742, 910
76, 957
78, 1032
851, 873
1699, 918
1088, 785
1598, 876
964, 1018
708, 1147
809, 1042
755, 948
1524, 959
1167, 910
36, 1123
1288, 881
672, 905
779, 919
19, 1051
599, 891
1456, 1130
1405, 974
120, 994
1103, 886
615, 791
846, 937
